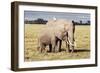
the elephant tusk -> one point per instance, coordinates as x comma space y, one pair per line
68, 42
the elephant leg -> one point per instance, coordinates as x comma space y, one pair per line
42, 48
53, 47
50, 47
71, 40
60, 43
54, 44
71, 46
67, 46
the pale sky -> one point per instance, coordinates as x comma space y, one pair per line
33, 15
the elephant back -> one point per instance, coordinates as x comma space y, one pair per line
59, 22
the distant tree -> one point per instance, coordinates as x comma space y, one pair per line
40, 21
80, 21
37, 21
88, 22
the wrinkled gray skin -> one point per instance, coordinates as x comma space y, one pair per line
69, 28
53, 34
46, 40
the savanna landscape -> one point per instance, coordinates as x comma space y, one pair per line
82, 48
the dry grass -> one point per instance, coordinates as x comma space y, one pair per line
82, 38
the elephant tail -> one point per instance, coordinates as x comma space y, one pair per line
38, 45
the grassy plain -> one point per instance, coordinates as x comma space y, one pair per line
82, 49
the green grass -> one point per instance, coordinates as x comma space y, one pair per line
82, 39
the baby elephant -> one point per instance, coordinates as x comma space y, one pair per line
43, 41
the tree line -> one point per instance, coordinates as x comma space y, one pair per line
37, 21
42, 21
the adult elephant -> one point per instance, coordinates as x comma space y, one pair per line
51, 36
63, 29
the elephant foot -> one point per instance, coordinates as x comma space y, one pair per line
71, 51
67, 50
60, 50
49, 51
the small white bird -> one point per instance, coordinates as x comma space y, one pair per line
54, 18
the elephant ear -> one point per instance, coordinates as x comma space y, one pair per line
59, 34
